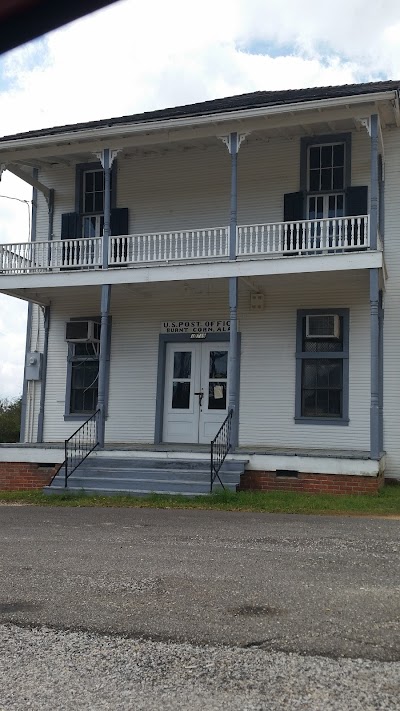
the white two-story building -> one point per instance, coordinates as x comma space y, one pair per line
233, 263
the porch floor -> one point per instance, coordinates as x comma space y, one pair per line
274, 450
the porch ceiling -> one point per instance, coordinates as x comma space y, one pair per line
40, 288
301, 121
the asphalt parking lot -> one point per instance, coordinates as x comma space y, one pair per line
282, 588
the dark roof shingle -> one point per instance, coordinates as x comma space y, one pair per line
253, 100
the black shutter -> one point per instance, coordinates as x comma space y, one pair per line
119, 221
69, 230
357, 204
119, 225
69, 225
357, 200
293, 207
293, 211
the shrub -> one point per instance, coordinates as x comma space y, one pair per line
10, 419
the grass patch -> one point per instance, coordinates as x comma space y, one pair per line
385, 503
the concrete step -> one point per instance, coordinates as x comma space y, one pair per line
101, 463
149, 474
181, 485
141, 476
114, 492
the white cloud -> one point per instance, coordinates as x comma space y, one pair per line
136, 56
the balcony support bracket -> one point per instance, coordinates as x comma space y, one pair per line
31, 180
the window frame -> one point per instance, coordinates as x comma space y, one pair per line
337, 355
68, 415
306, 143
81, 169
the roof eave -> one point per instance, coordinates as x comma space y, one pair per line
103, 132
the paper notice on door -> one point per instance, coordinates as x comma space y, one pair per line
218, 392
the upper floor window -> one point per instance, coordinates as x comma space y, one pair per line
326, 181
326, 167
93, 191
93, 203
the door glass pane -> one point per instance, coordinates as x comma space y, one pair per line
182, 364
218, 365
180, 395
217, 396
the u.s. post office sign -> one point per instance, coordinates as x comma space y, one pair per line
212, 326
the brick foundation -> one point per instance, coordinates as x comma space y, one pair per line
16, 476
311, 483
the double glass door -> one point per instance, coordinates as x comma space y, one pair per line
196, 391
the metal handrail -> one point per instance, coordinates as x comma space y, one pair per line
220, 447
80, 444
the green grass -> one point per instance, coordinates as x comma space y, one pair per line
385, 503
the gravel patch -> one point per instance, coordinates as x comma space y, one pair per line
42, 669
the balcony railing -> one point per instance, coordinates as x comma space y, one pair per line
270, 240
169, 246
47, 256
308, 236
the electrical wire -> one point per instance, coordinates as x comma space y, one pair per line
28, 203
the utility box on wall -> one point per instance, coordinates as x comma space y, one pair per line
33, 366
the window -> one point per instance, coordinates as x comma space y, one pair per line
326, 181
82, 375
92, 203
322, 366
84, 361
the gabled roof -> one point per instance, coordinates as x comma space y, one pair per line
257, 99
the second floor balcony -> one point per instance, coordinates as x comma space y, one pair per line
277, 240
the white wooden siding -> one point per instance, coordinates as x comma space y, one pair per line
267, 359
179, 189
392, 302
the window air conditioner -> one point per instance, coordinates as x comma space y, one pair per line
322, 326
82, 332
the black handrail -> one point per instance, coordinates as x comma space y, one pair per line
220, 447
80, 445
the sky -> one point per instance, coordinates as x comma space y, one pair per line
136, 56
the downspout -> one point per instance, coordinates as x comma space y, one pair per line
51, 215
46, 322
105, 304
24, 401
374, 334
381, 371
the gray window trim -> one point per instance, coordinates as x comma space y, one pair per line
79, 171
308, 141
68, 415
344, 355
165, 338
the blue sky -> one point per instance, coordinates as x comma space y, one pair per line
154, 55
